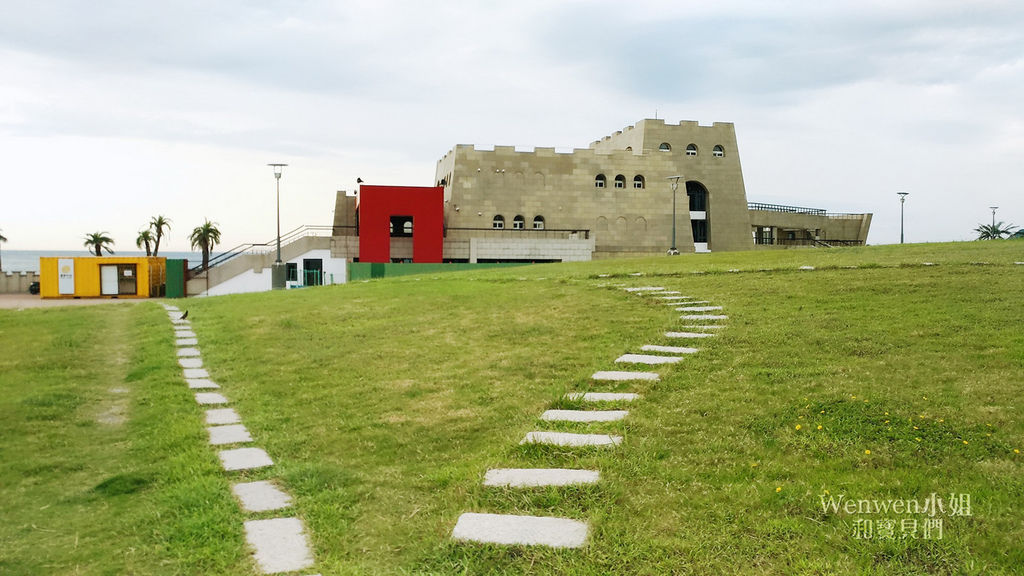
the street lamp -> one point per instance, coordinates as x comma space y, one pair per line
903, 198
278, 275
675, 185
993, 209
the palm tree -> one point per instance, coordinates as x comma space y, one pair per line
145, 238
2, 240
205, 237
994, 231
158, 224
99, 241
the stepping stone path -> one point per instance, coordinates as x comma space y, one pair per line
698, 308
570, 439
584, 415
521, 530
623, 376
534, 477
704, 317
688, 334
278, 544
602, 396
647, 359
668, 349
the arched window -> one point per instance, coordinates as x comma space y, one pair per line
641, 223
498, 223
602, 223
518, 223
665, 147
407, 228
698, 196
599, 181
629, 148
718, 151
691, 149
638, 181
620, 181
538, 222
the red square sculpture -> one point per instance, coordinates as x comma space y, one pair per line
376, 205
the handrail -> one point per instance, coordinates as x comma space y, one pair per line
287, 237
784, 208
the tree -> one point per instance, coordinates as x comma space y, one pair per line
158, 224
994, 231
205, 237
145, 238
97, 242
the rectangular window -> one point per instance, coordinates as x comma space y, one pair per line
598, 183
620, 184
498, 224
291, 272
517, 224
691, 152
638, 184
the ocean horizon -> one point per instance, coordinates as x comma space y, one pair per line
28, 260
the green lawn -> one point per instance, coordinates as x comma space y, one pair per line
384, 402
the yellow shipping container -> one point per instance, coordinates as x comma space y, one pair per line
102, 277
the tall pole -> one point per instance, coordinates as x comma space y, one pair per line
993, 209
903, 198
278, 278
675, 185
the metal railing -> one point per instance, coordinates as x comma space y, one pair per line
787, 209
266, 247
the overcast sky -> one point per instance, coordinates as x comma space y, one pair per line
112, 112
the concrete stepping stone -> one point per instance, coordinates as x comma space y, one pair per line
698, 308
190, 362
675, 297
570, 439
184, 333
522, 530
196, 373
645, 289
186, 342
210, 398
621, 376
229, 434
244, 459
647, 359
261, 496
688, 302
659, 292
705, 327
180, 322
200, 383
584, 415
668, 349
222, 416
188, 352
171, 308
703, 317
688, 335
602, 396
807, 268
279, 545
533, 477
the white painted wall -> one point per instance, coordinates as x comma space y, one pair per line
260, 280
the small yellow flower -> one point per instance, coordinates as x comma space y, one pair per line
822, 412
941, 420
925, 397
921, 416
886, 413
753, 464
865, 400
827, 492
918, 439
886, 422
779, 489
801, 418
1016, 451
965, 441
797, 426
853, 397
989, 434
916, 428
868, 452
819, 426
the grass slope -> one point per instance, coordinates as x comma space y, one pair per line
383, 403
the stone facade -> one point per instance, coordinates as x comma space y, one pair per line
618, 189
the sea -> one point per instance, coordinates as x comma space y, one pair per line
28, 260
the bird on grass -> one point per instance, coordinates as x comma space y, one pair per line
183, 316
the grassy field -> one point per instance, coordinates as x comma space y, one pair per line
383, 403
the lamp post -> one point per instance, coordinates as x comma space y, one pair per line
278, 275
675, 185
903, 198
993, 209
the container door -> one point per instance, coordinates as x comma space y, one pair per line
127, 282
108, 280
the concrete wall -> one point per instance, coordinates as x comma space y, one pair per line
251, 272
560, 187
17, 282
846, 227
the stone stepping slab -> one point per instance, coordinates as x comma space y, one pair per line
647, 359
278, 544
622, 376
688, 335
260, 496
705, 327
244, 459
180, 322
522, 530
703, 317
186, 342
229, 434
698, 308
668, 349
210, 398
584, 415
675, 297
170, 308
570, 439
688, 302
216, 416
645, 289
665, 292
190, 362
196, 373
533, 477
602, 396
184, 334
188, 352
200, 383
